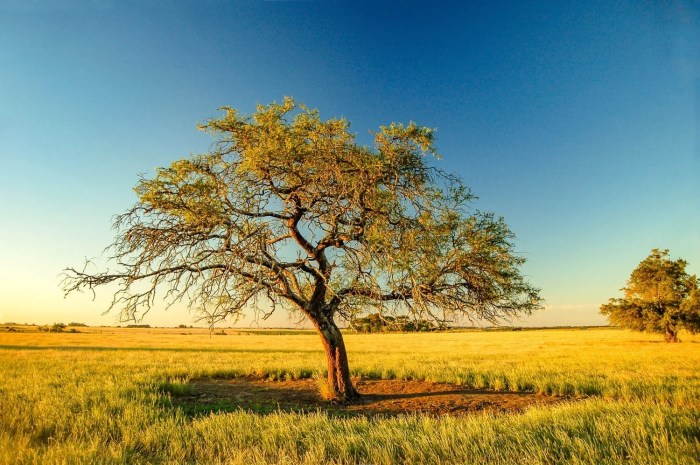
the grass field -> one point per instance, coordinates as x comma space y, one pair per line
104, 396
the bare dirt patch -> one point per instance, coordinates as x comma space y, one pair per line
379, 397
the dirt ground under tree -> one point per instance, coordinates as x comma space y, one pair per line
379, 397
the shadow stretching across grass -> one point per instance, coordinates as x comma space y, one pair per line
379, 397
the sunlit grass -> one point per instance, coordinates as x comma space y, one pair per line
104, 398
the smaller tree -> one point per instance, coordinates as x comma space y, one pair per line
660, 297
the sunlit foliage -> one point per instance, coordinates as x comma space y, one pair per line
660, 297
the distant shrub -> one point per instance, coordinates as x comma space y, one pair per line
55, 328
376, 323
73, 323
138, 326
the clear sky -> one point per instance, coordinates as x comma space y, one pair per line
576, 121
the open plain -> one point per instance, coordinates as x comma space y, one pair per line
146, 395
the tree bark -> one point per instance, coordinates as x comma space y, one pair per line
339, 384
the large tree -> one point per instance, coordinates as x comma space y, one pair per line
288, 211
660, 297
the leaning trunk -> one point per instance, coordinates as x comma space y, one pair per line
338, 384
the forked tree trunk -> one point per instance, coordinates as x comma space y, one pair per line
339, 384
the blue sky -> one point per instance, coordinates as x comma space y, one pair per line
576, 121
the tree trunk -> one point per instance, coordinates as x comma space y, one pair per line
671, 335
339, 385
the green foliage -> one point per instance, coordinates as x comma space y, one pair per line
660, 297
287, 207
376, 323
55, 328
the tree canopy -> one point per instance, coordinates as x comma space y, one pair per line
288, 211
660, 297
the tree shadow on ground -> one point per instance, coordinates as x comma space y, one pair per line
379, 397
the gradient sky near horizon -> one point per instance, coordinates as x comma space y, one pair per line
576, 121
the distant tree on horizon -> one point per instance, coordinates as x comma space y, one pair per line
288, 210
377, 323
660, 297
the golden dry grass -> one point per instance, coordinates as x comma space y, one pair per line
97, 397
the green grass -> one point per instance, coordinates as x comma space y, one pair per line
105, 398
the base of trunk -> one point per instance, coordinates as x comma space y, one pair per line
337, 387
335, 396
